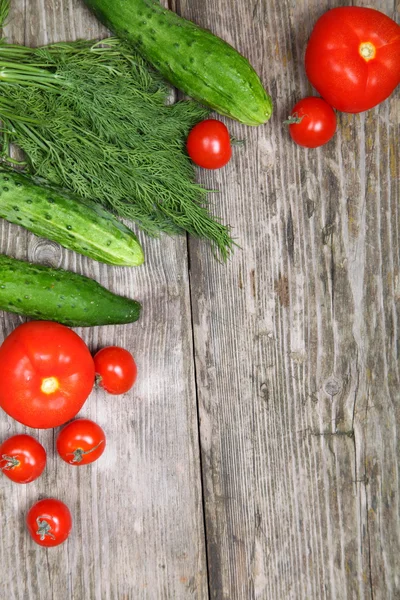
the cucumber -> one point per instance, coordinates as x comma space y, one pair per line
77, 224
193, 59
56, 295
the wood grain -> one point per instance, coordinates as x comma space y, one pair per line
296, 339
138, 519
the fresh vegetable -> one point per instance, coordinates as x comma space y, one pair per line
46, 374
115, 369
78, 224
352, 57
57, 295
312, 122
81, 442
94, 118
191, 58
49, 522
209, 144
22, 458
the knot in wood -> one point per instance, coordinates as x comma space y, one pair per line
332, 386
45, 251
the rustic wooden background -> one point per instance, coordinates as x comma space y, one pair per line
258, 454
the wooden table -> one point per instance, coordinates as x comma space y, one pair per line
258, 454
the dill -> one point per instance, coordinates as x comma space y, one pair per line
93, 117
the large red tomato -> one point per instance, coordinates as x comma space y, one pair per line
46, 374
353, 57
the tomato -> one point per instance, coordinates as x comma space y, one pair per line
81, 442
209, 144
352, 57
312, 122
22, 458
46, 374
49, 522
116, 369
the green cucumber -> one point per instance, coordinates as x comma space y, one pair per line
77, 224
56, 295
191, 58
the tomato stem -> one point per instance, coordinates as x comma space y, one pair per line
367, 51
44, 529
11, 462
294, 119
49, 385
79, 453
237, 142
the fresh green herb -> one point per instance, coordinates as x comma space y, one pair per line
94, 118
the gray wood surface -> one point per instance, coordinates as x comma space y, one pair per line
294, 384
138, 519
297, 340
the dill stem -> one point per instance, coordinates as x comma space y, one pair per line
23, 68
24, 74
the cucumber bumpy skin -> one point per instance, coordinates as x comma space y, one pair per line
191, 58
56, 295
76, 224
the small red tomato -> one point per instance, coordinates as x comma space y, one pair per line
209, 144
116, 369
49, 522
22, 458
312, 122
81, 442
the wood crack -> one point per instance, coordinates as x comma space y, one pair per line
255, 7
371, 585
332, 275
354, 413
202, 469
338, 432
290, 235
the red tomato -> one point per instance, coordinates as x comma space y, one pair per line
46, 374
116, 369
209, 144
49, 522
352, 57
22, 458
312, 122
81, 442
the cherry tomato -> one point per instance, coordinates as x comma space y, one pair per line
209, 144
81, 442
46, 374
352, 57
116, 369
49, 522
22, 458
312, 122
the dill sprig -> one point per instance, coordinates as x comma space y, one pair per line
93, 117
4, 10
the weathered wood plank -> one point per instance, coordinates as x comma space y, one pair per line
296, 339
138, 522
